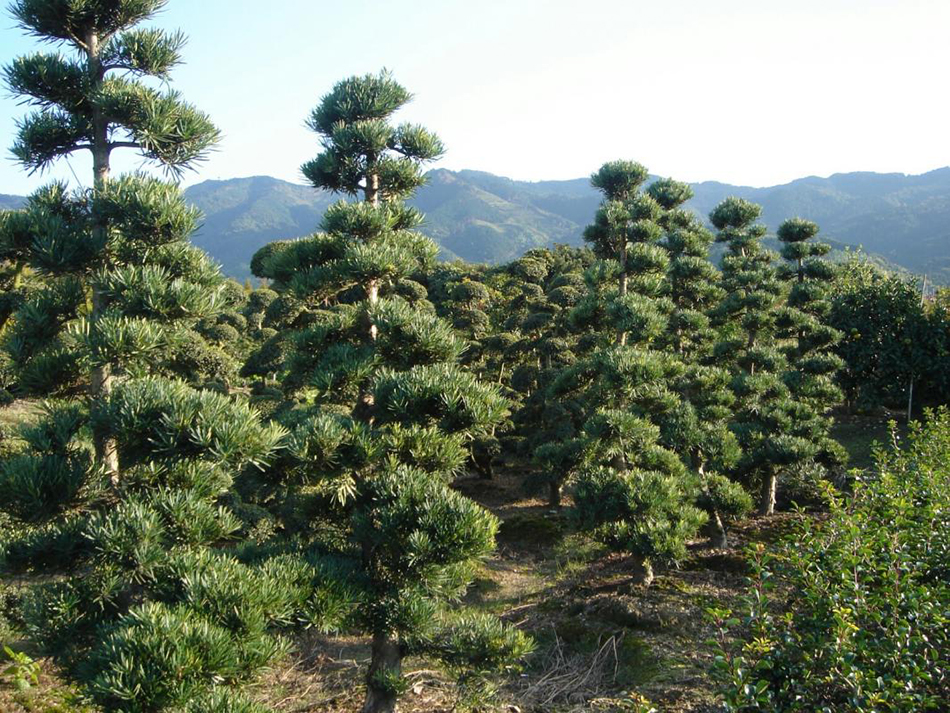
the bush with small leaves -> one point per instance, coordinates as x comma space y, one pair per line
851, 613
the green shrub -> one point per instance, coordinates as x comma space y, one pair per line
727, 498
58, 545
38, 486
864, 594
157, 657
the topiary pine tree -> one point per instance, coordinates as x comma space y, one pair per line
468, 305
697, 428
385, 409
548, 344
693, 288
768, 423
96, 100
15, 237
814, 365
625, 230
805, 317
629, 490
147, 609
16, 283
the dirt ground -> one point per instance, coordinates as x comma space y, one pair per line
603, 644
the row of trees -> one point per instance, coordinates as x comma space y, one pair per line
189, 536
657, 387
193, 530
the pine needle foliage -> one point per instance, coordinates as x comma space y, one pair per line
98, 96
385, 411
630, 491
123, 499
812, 376
777, 431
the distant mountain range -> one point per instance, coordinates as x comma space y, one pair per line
480, 217
10, 202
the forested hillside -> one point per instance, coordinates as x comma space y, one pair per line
479, 217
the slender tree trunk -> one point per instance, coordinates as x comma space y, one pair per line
18, 274
554, 494
100, 383
624, 279
365, 403
716, 531
714, 528
372, 188
386, 663
371, 195
372, 296
643, 572
769, 491
751, 345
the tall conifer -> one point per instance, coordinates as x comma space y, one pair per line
697, 428
386, 411
813, 365
94, 99
630, 491
146, 606
767, 419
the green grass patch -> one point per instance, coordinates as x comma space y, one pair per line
861, 437
533, 529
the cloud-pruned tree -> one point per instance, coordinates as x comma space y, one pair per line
385, 409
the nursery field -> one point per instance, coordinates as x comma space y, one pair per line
613, 477
604, 644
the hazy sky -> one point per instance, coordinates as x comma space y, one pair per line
756, 92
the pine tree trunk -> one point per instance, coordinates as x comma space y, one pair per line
769, 491
715, 529
100, 382
365, 403
483, 462
622, 287
643, 573
554, 494
372, 188
372, 296
18, 274
372, 287
386, 661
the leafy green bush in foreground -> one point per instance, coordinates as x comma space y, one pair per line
865, 620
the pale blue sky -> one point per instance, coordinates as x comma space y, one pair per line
756, 92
